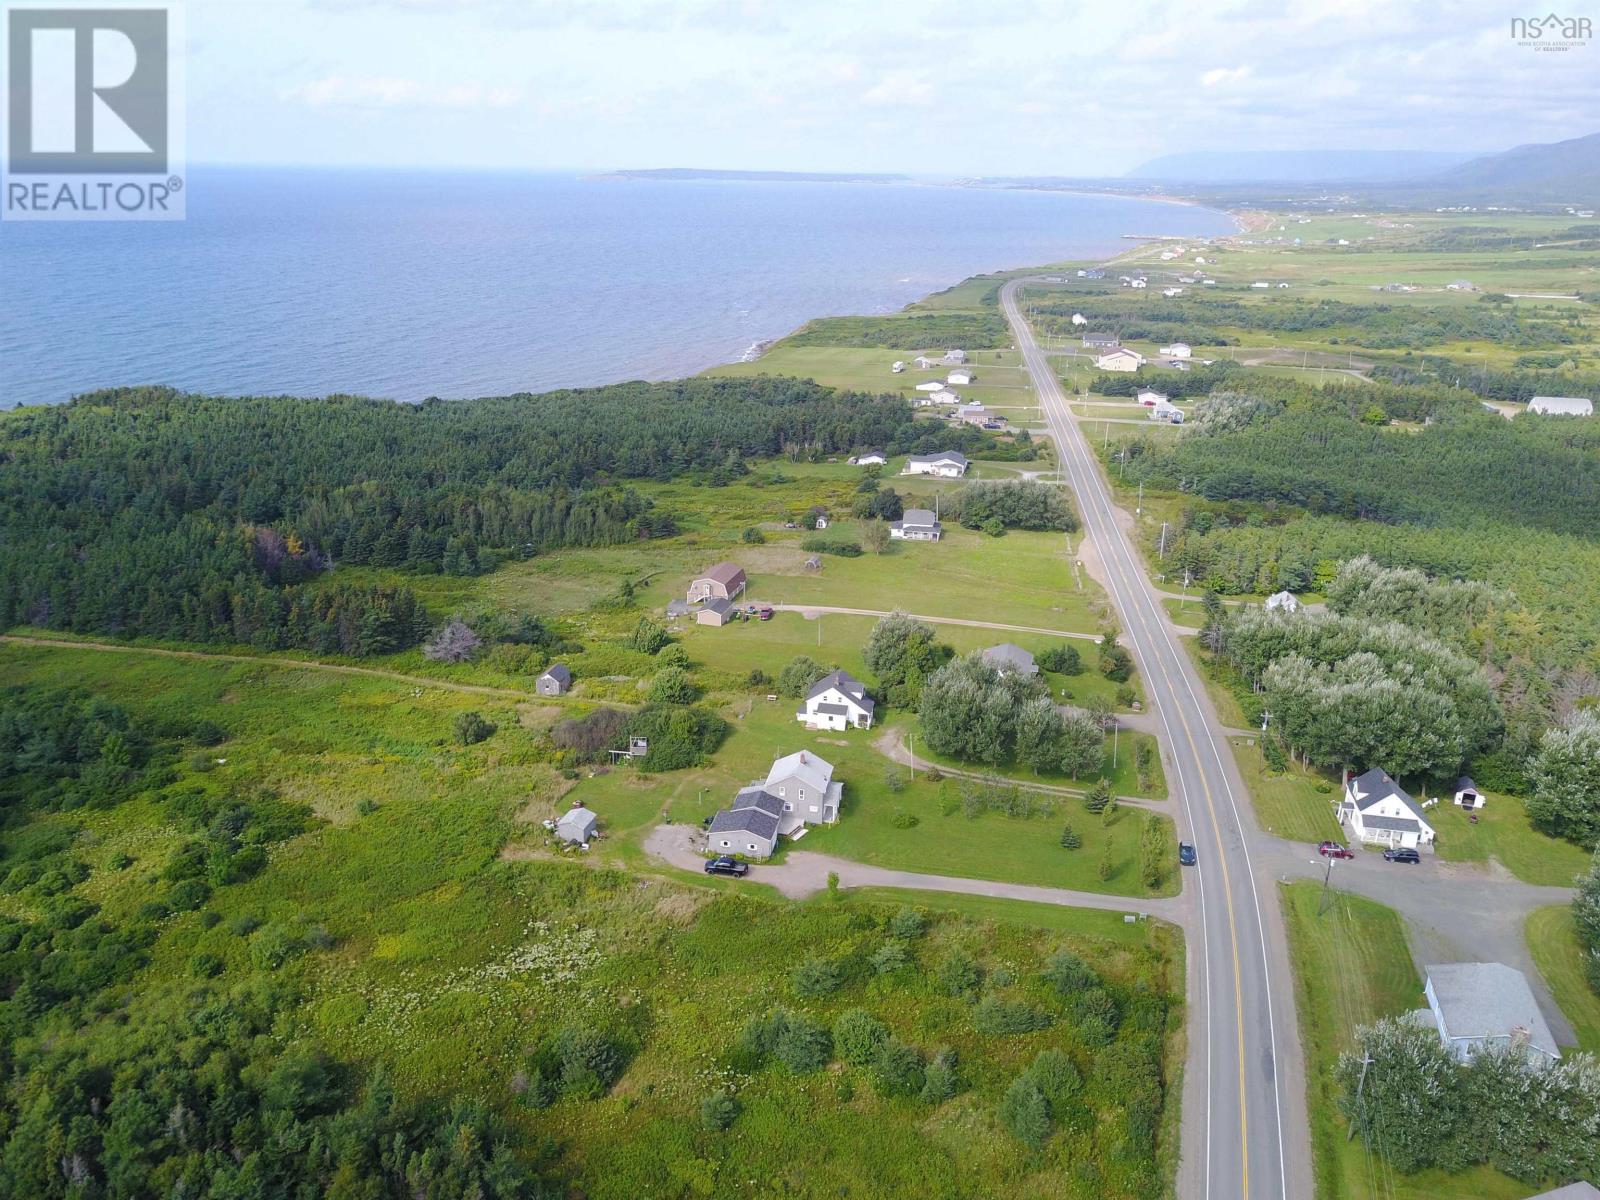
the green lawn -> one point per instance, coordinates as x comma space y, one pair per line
1288, 804
1351, 966
1556, 951
1060, 918
1504, 832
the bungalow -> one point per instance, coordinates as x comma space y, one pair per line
1486, 1006
956, 357
577, 825
555, 681
1177, 350
724, 582
1282, 602
1120, 358
1461, 285
871, 458
932, 385
1010, 659
972, 414
1099, 341
959, 378
944, 396
715, 611
1149, 397
1163, 410
1562, 406
950, 464
924, 362
1261, 283
837, 701
916, 525
1467, 794
1380, 812
1094, 273
1172, 291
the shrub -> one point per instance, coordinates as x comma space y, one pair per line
471, 728
802, 1045
897, 1070
1061, 660
672, 685
366, 806
908, 923
719, 1110
959, 975
1008, 1017
272, 946
894, 781
831, 545
673, 656
858, 1035
1069, 974
798, 675
1116, 664
889, 958
1069, 838
188, 895
753, 536
939, 1081
648, 636
588, 1061
905, 820
1097, 797
816, 977
205, 966
1025, 1112
1107, 867
1056, 1076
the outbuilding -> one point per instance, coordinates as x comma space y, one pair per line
577, 825
1467, 794
715, 611
555, 681
1562, 406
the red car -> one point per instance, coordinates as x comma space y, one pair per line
765, 613
1334, 850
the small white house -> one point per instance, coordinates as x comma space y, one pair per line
932, 385
1138, 283
955, 356
838, 701
972, 414
821, 522
950, 464
1177, 350
959, 378
1120, 358
916, 525
1562, 406
871, 458
944, 396
1172, 291
1467, 794
1261, 283
1284, 602
1379, 812
1149, 397
577, 825
1164, 410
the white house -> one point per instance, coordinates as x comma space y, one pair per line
1486, 1006
1380, 812
959, 378
1562, 406
1261, 283
1164, 410
972, 414
1120, 358
944, 396
932, 385
1282, 602
1461, 285
924, 362
1149, 397
871, 458
1172, 291
1177, 350
838, 701
916, 525
956, 357
1138, 283
577, 825
950, 464
1467, 794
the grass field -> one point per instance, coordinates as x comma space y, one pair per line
1559, 956
1351, 967
1289, 804
1504, 832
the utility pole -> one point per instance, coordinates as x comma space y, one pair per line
911, 738
1163, 539
1366, 1061
1327, 878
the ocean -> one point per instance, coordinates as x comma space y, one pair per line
412, 284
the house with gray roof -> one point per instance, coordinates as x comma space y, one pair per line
1572, 1191
748, 826
577, 825
555, 681
1379, 812
837, 701
798, 791
1099, 341
948, 464
715, 611
916, 525
1487, 1006
1010, 659
1468, 795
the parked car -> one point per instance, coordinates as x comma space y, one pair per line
1186, 854
765, 614
750, 610
1402, 854
1335, 850
723, 865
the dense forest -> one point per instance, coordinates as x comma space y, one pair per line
148, 511
911, 332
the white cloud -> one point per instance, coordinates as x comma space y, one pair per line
1218, 76
900, 89
340, 91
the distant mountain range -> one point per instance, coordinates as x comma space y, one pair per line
1296, 166
1552, 172
680, 173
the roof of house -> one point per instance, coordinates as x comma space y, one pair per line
1372, 786
1572, 1191
726, 573
846, 683
804, 764
746, 820
1562, 404
1398, 824
579, 820
757, 797
1009, 654
919, 516
870, 454
718, 605
1100, 339
951, 456
558, 672
1488, 1000
1113, 351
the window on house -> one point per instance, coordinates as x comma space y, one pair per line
802, 794
781, 790
787, 807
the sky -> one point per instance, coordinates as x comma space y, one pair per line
929, 87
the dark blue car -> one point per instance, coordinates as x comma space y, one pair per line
1186, 855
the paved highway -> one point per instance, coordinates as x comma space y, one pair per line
1245, 1131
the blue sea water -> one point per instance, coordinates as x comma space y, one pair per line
411, 284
